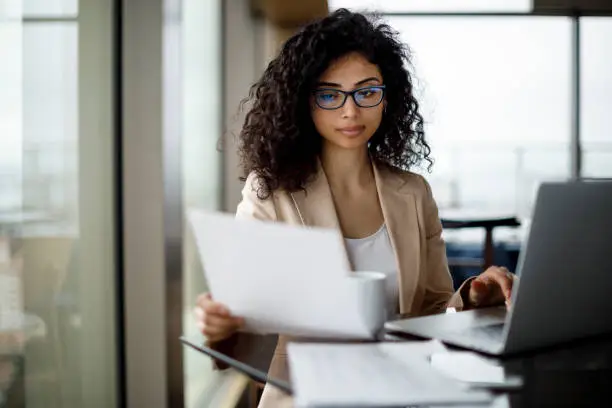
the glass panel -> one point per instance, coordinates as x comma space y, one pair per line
435, 6
11, 38
50, 121
50, 8
11, 297
56, 223
495, 95
201, 167
596, 103
11, 215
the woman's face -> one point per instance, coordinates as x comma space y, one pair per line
349, 126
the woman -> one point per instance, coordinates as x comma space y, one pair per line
332, 129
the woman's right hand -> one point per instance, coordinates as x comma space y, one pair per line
214, 319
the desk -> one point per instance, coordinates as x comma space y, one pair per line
576, 374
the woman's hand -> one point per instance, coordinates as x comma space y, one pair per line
492, 287
214, 319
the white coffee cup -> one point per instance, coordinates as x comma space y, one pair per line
368, 290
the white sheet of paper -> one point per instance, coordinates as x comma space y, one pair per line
499, 401
378, 374
283, 279
472, 368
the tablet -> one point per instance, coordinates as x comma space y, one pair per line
243, 368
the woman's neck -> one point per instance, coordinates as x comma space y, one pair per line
346, 168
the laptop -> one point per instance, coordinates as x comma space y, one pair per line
564, 286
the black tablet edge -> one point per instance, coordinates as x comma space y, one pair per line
246, 369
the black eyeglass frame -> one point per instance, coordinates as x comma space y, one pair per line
351, 94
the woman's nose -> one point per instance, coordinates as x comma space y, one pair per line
350, 108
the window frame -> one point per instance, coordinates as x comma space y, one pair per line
575, 17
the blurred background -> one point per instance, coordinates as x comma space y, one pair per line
117, 116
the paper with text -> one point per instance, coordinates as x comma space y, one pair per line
379, 374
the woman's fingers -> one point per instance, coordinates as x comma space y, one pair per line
206, 305
222, 323
218, 328
492, 287
504, 280
214, 319
214, 308
479, 291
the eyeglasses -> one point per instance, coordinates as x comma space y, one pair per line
367, 97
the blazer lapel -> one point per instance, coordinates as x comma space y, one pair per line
400, 212
315, 206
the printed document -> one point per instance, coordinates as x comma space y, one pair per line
285, 279
394, 374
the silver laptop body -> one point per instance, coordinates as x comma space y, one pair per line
564, 290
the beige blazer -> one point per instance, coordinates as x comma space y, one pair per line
411, 217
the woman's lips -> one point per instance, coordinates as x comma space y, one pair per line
351, 130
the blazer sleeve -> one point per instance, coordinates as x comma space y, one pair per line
252, 349
439, 285
252, 207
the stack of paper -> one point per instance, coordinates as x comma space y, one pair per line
379, 374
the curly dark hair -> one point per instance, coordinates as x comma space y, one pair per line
279, 142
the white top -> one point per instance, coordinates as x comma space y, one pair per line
375, 254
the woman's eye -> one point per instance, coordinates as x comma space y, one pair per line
328, 96
366, 93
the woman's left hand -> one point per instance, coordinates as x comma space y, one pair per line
492, 287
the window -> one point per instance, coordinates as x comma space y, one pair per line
495, 93
50, 8
435, 6
50, 119
11, 39
596, 97
57, 261
201, 123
